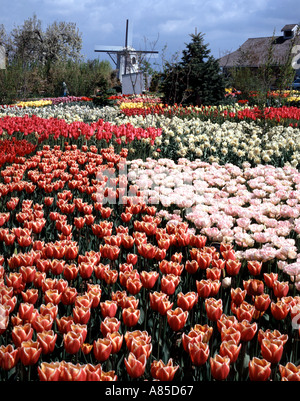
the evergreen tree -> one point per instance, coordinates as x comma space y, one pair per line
196, 79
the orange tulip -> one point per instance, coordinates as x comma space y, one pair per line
30, 352
72, 342
279, 310
214, 308
47, 341
116, 339
187, 301
259, 369
271, 350
290, 372
198, 352
49, 371
21, 333
237, 295
135, 367
254, 267
9, 356
130, 316
93, 372
177, 318
108, 308
230, 349
109, 325
220, 367
232, 267
262, 302
163, 372
247, 330
102, 349
205, 330
280, 288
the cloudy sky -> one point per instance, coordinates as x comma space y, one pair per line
165, 23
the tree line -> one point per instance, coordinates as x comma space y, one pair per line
39, 60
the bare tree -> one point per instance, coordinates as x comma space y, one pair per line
60, 41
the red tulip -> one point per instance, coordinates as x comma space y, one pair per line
49, 371
64, 324
259, 369
187, 301
163, 372
72, 342
220, 367
30, 352
30, 296
102, 349
214, 308
203, 288
230, 349
9, 356
135, 367
47, 341
233, 267
262, 302
289, 372
247, 330
130, 316
272, 350
177, 318
108, 308
42, 323
279, 310
148, 279
169, 283
280, 288
198, 352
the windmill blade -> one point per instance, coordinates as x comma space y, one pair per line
129, 37
110, 49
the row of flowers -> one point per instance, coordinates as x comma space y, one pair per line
97, 285
229, 142
43, 129
47, 102
257, 209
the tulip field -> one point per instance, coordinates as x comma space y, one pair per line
144, 242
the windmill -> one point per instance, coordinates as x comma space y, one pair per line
126, 59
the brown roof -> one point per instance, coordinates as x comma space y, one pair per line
254, 52
288, 27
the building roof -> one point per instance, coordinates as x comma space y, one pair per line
254, 52
288, 27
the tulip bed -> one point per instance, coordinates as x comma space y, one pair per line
143, 269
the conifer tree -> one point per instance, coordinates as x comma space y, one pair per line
196, 79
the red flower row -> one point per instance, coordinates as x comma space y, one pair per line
52, 127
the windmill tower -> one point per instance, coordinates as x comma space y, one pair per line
125, 58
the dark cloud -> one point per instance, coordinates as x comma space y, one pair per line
165, 22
